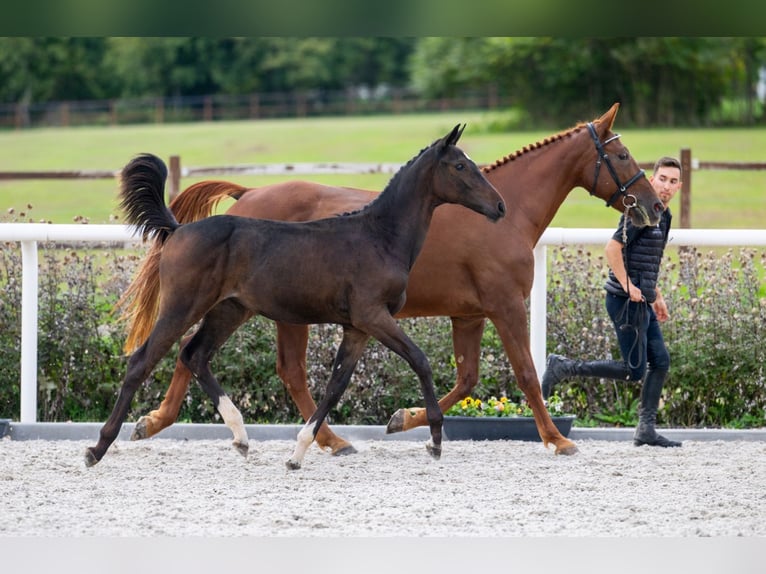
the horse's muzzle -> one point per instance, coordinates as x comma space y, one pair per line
499, 212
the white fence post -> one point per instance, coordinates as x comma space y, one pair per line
538, 305
29, 234
29, 289
595, 236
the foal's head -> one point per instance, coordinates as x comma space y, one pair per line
457, 179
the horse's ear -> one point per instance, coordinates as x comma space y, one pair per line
453, 137
608, 118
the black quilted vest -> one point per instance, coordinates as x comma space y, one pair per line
645, 246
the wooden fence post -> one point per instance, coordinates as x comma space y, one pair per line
175, 177
686, 188
207, 109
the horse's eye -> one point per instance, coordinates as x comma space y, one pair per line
459, 167
623, 156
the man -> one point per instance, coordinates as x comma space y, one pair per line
637, 308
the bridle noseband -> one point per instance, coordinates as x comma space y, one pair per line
628, 200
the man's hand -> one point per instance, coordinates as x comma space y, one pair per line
634, 293
660, 308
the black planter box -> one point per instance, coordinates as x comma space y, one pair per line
500, 428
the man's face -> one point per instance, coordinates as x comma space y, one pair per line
666, 181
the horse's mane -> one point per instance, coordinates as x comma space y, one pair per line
531, 147
393, 181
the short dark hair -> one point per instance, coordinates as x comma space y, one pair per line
667, 161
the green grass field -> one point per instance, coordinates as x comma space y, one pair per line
720, 199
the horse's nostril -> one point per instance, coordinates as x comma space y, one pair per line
501, 208
658, 207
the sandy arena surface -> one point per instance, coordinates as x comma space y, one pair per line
166, 487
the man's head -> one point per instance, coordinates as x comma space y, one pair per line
666, 178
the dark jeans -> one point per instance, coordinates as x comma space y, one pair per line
639, 335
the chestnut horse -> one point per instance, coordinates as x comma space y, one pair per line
468, 270
350, 270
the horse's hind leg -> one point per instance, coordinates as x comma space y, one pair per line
140, 366
466, 343
218, 325
292, 342
350, 350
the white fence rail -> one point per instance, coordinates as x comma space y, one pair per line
30, 234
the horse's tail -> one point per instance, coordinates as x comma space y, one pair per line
142, 193
200, 199
139, 303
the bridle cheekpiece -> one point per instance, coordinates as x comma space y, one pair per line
628, 199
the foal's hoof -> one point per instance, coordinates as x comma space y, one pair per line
141, 430
241, 447
90, 457
396, 422
292, 464
434, 451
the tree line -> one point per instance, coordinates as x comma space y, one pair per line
664, 81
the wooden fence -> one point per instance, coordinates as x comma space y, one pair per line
308, 103
177, 172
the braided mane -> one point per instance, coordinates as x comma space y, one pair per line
531, 147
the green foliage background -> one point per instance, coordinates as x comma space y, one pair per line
670, 81
718, 313
716, 300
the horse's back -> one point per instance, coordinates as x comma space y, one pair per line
300, 201
442, 280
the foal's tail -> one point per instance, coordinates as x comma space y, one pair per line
142, 194
139, 304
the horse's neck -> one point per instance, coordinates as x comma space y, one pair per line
403, 215
536, 183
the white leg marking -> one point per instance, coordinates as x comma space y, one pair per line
305, 438
233, 419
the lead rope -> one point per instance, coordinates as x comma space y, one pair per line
627, 325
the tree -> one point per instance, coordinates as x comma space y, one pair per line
44, 69
663, 81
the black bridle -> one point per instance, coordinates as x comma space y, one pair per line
628, 200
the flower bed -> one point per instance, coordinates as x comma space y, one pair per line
500, 419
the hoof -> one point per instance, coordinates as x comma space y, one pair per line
241, 447
567, 450
434, 451
345, 451
396, 423
141, 430
292, 465
90, 458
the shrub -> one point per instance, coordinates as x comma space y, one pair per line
717, 322
718, 313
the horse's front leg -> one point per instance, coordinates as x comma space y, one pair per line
512, 329
466, 343
350, 350
292, 342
